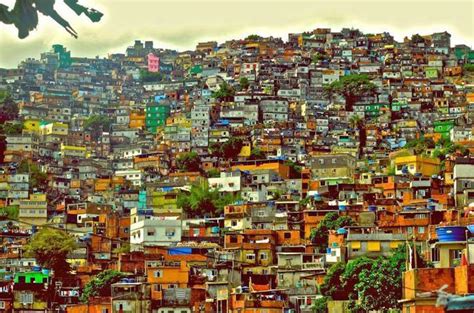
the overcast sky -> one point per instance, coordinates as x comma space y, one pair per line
180, 24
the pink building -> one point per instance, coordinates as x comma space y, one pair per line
153, 63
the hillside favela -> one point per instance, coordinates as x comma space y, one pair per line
328, 171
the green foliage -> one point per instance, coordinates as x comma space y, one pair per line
99, 286
331, 221
374, 284
468, 68
445, 146
50, 248
352, 88
350, 277
420, 145
253, 37
7, 105
295, 167
11, 212
224, 93
38, 179
202, 200
332, 283
11, 128
150, 77
417, 38
391, 170
244, 83
318, 56
189, 162
257, 154
213, 173
320, 305
94, 122
228, 150
124, 248
380, 285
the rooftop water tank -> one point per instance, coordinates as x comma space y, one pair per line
451, 233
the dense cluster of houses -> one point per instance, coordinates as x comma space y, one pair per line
114, 150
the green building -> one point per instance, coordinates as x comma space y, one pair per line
156, 115
374, 109
31, 277
64, 56
443, 127
431, 72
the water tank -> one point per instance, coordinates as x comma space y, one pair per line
342, 207
372, 208
451, 233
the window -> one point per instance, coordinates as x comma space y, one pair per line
233, 239
158, 273
150, 232
2, 304
233, 223
435, 255
263, 256
421, 230
287, 235
250, 257
373, 246
170, 232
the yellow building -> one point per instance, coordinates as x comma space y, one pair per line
34, 210
165, 203
74, 151
245, 151
417, 164
54, 128
32, 126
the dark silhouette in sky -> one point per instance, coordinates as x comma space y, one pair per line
24, 15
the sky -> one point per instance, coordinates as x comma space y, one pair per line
181, 24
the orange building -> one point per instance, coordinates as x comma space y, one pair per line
137, 119
166, 274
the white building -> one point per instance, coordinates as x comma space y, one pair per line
153, 230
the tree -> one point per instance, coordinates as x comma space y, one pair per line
331, 286
12, 128
100, 285
50, 248
420, 145
10, 212
416, 39
331, 221
380, 285
352, 88
468, 68
257, 154
38, 179
147, 77
202, 200
253, 37
244, 83
225, 92
350, 277
95, 122
213, 173
320, 305
229, 149
189, 162
7, 105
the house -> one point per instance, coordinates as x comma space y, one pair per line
153, 230
416, 164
